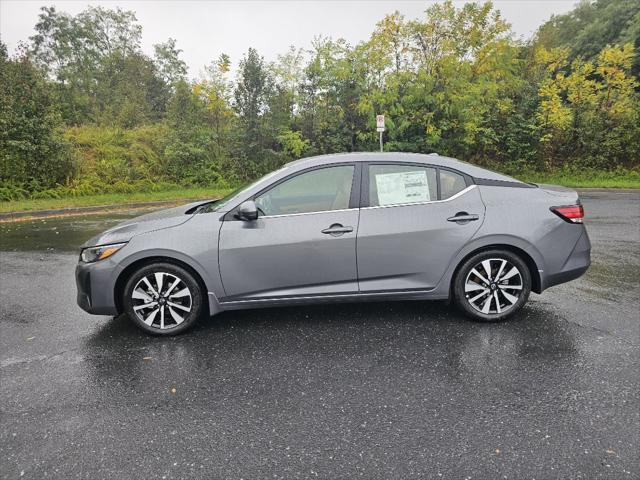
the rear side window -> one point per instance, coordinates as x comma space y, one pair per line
400, 184
450, 184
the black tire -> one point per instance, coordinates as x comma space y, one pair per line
171, 272
508, 287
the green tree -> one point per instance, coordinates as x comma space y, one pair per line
129, 91
188, 151
447, 83
331, 91
33, 155
72, 51
253, 89
99, 71
589, 113
215, 91
591, 26
171, 67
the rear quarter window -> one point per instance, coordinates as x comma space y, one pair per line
450, 184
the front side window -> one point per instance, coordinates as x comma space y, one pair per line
319, 190
401, 184
216, 205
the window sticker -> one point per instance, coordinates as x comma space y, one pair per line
403, 187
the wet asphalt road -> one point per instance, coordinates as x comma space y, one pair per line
378, 390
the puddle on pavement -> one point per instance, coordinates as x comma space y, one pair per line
58, 234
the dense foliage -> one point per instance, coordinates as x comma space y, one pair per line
84, 110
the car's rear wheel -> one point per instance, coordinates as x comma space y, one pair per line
492, 285
163, 299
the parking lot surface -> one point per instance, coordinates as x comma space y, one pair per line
374, 390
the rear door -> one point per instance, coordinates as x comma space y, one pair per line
414, 220
303, 242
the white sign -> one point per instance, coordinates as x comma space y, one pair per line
380, 123
403, 187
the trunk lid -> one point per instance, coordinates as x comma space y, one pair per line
559, 195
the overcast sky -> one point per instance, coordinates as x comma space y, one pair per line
204, 29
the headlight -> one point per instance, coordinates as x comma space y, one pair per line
93, 254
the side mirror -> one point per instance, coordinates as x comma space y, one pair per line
247, 211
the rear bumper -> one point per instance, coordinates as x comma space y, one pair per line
95, 288
576, 264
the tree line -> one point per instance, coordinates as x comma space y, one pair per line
83, 110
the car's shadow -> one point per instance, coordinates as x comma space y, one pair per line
313, 318
391, 336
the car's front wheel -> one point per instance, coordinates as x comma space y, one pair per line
163, 299
492, 285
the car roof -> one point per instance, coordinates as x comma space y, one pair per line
401, 157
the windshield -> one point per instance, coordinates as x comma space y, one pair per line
219, 204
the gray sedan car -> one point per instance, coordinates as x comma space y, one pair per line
347, 227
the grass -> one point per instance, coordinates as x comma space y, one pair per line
586, 179
111, 199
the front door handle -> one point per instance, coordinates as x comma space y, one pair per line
463, 217
337, 229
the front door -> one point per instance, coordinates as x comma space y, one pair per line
302, 244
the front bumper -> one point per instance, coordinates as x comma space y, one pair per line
95, 283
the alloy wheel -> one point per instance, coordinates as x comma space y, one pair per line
493, 286
161, 300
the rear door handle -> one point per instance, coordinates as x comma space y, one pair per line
463, 217
337, 229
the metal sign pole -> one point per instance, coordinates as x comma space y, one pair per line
380, 128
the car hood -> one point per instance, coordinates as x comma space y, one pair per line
124, 231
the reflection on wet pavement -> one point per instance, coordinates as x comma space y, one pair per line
58, 234
396, 338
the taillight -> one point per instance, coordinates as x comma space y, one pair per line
569, 213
